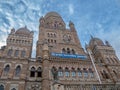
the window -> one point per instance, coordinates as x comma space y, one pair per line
115, 73
60, 72
85, 72
17, 71
105, 74
6, 69
79, 72
63, 50
67, 74
73, 51
10, 51
39, 72
108, 60
16, 53
1, 87
91, 72
32, 72
13, 89
68, 51
73, 72
23, 53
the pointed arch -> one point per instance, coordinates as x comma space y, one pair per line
17, 70
32, 72
1, 87
39, 72
6, 69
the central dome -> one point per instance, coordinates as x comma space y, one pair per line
23, 31
54, 14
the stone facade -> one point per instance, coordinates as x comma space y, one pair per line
61, 63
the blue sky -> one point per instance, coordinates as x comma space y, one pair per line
100, 18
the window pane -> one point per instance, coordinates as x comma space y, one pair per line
1, 87
9, 52
23, 54
79, 73
16, 53
18, 69
67, 73
60, 73
85, 74
73, 74
6, 69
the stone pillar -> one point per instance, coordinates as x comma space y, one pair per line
45, 65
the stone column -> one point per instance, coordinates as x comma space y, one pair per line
45, 65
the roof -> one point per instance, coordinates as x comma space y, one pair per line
52, 14
23, 31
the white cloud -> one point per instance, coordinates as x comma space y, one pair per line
71, 9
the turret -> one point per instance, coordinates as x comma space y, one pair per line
71, 25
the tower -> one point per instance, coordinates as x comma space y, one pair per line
19, 43
105, 59
53, 30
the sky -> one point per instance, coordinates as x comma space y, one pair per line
99, 18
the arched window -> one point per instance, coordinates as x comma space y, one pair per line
79, 72
1, 87
6, 69
67, 73
13, 89
10, 51
107, 60
115, 73
39, 72
63, 50
85, 72
48, 35
17, 71
23, 53
105, 74
91, 73
73, 51
68, 51
102, 74
73, 72
16, 53
32, 72
60, 71
112, 60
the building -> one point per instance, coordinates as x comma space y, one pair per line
61, 63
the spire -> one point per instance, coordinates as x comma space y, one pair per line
91, 36
107, 43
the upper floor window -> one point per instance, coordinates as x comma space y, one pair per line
73, 72
32, 72
6, 69
16, 53
23, 53
10, 51
17, 71
39, 72
105, 74
63, 50
73, 51
68, 50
